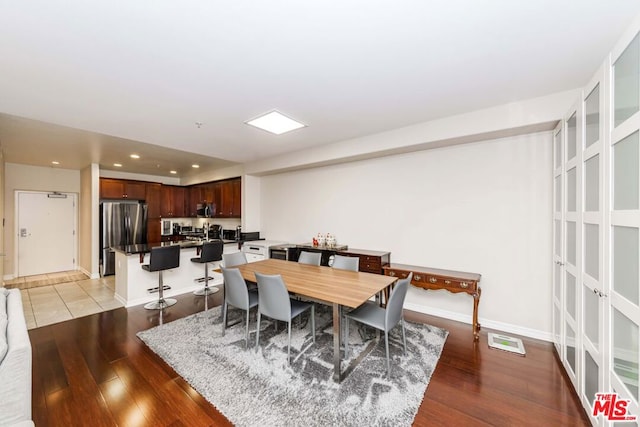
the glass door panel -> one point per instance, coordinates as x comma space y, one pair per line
592, 184
625, 173
571, 348
570, 286
558, 191
571, 242
571, 190
557, 143
592, 250
592, 117
572, 137
591, 373
626, 83
557, 276
625, 351
625, 259
592, 316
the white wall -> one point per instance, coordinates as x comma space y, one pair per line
35, 178
483, 207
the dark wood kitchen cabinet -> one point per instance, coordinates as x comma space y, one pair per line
172, 201
228, 198
370, 261
152, 197
195, 195
154, 226
122, 189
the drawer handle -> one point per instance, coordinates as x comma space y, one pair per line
447, 282
464, 285
433, 279
417, 277
392, 273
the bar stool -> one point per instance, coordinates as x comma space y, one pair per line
162, 258
211, 251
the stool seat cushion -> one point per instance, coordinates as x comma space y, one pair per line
198, 260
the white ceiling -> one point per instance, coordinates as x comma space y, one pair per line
126, 73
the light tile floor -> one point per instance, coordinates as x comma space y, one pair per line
45, 305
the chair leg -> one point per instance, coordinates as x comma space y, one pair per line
258, 332
246, 334
386, 344
289, 344
313, 322
224, 317
346, 337
404, 339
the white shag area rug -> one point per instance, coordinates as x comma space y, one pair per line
257, 387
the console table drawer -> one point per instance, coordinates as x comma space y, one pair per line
401, 274
438, 282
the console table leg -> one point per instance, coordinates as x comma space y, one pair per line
476, 325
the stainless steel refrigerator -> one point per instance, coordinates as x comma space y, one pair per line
121, 224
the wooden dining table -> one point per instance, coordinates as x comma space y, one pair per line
325, 284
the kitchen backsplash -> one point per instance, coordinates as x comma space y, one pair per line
226, 223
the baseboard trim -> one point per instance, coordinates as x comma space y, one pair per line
90, 275
485, 323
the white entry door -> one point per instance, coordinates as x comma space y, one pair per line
45, 232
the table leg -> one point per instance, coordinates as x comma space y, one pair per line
336, 342
476, 325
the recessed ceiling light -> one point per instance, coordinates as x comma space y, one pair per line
276, 123
134, 156
173, 172
195, 166
118, 165
55, 162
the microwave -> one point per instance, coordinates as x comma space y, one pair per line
205, 210
166, 227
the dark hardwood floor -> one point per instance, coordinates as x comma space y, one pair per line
95, 371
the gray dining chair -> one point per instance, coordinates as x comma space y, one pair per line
274, 302
234, 259
384, 319
350, 263
239, 296
345, 262
312, 258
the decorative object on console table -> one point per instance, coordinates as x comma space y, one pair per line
452, 281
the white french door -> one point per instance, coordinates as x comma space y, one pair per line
624, 231
558, 239
593, 285
572, 243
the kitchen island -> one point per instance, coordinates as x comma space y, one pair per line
136, 286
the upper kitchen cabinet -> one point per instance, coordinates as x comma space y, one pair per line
153, 200
227, 197
122, 189
236, 206
172, 201
194, 196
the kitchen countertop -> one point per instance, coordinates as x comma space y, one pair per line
146, 248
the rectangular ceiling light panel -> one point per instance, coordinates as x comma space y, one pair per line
275, 123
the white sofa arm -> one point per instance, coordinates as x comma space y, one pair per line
15, 368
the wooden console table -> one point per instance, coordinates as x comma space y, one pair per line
452, 281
